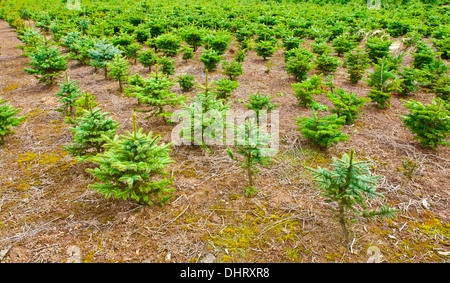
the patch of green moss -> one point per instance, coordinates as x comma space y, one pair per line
253, 233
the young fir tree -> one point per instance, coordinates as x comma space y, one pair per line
133, 166
343, 44
383, 82
46, 63
119, 69
186, 82
217, 41
327, 63
101, 53
253, 146
79, 49
320, 46
259, 102
90, 133
377, 48
349, 184
291, 42
299, 62
207, 118
323, 131
188, 53
409, 81
266, 48
85, 102
357, 62
68, 93
224, 88
423, 56
430, 123
210, 59
167, 65
232, 69
346, 104
7, 119
132, 51
193, 36
148, 58
305, 90
168, 43
155, 93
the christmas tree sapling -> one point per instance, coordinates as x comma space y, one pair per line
323, 131
133, 166
90, 132
356, 62
346, 104
119, 69
430, 123
186, 82
232, 69
148, 58
305, 90
253, 145
259, 102
7, 119
224, 88
349, 184
46, 63
101, 53
69, 92
155, 93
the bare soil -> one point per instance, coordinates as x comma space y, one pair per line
47, 213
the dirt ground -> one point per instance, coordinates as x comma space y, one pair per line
47, 213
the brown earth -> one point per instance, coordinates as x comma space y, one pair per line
47, 211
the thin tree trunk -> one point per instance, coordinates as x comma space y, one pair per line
343, 224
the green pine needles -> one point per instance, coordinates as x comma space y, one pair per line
46, 63
383, 82
205, 116
133, 166
90, 133
305, 90
324, 131
346, 104
250, 144
7, 119
349, 184
299, 62
430, 123
69, 93
155, 92
119, 69
357, 62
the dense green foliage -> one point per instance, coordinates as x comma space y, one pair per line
305, 90
250, 144
131, 166
349, 184
430, 123
90, 132
47, 63
322, 131
7, 119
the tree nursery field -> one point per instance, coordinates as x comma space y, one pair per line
240, 131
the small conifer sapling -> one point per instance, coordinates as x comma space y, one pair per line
7, 119
134, 166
